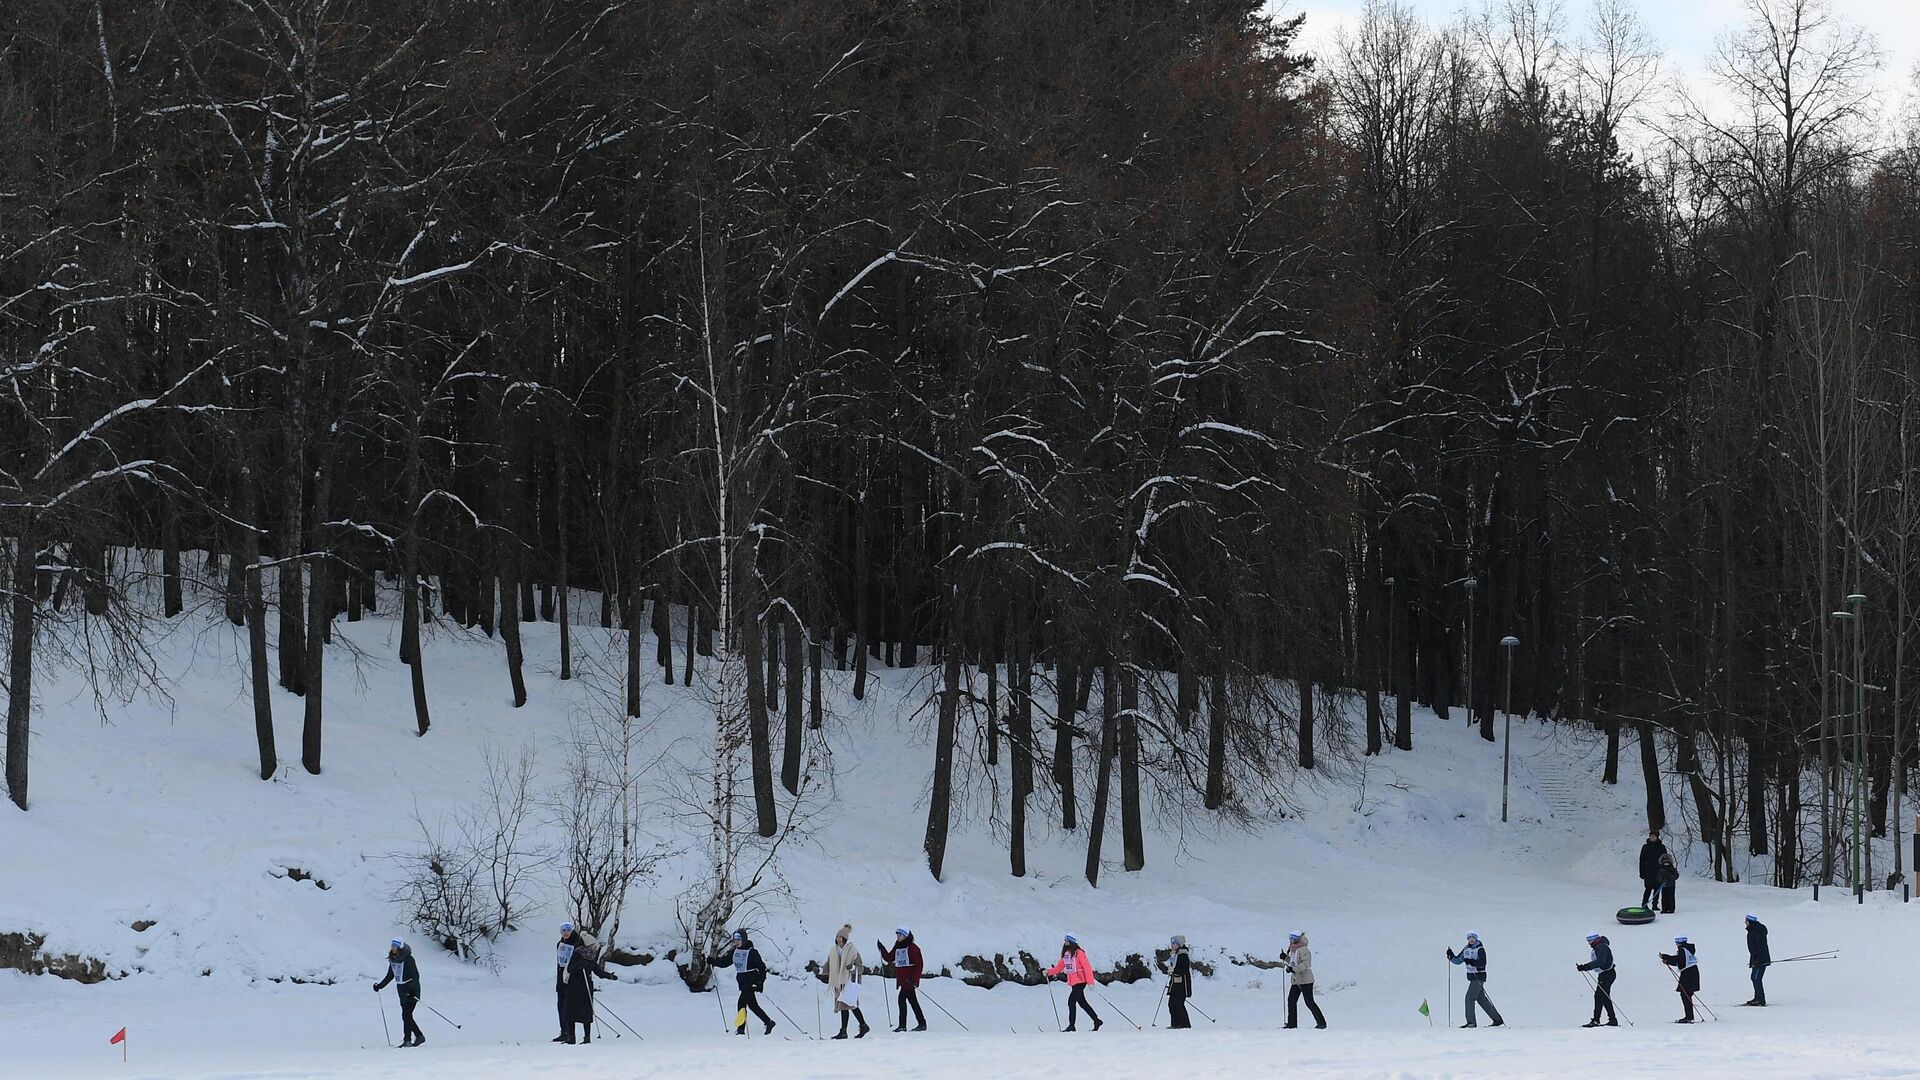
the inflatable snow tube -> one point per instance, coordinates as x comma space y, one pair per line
1634, 916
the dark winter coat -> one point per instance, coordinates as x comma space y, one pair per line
1181, 981
1669, 873
1602, 956
1758, 954
907, 963
1650, 853
576, 962
1475, 958
403, 973
749, 971
1685, 959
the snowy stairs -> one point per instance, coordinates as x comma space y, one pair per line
1565, 793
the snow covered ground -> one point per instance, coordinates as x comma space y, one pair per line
158, 816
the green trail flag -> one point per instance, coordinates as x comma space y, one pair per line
1424, 1010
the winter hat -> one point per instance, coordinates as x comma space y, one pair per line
1179, 941
1071, 940
846, 931
1591, 938
1471, 936
397, 943
1681, 940
566, 928
739, 935
901, 931
1295, 936
1751, 917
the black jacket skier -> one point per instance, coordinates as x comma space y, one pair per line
405, 975
750, 976
1179, 984
1758, 957
1685, 959
576, 964
1650, 853
1600, 959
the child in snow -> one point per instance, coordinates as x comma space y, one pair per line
845, 967
1299, 963
404, 974
907, 966
1688, 984
1179, 984
1600, 959
1079, 970
1474, 956
750, 976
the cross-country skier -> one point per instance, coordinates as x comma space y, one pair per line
1474, 956
576, 959
1688, 984
907, 966
1651, 853
1600, 961
844, 967
1299, 962
404, 974
1758, 957
1079, 971
750, 975
1179, 984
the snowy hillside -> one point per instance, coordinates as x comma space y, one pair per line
243, 967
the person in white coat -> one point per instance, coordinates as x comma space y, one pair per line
1299, 962
844, 968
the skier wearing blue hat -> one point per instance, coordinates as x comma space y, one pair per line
1600, 960
750, 977
1758, 957
907, 966
1474, 956
404, 974
1688, 984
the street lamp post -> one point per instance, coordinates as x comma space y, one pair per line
1472, 583
1506, 755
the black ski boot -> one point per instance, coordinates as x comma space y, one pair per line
1097, 1022
769, 1030
921, 1026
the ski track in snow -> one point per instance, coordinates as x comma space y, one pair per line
158, 816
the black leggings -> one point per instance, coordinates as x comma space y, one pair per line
910, 996
1650, 894
1177, 1008
1076, 1000
1603, 995
409, 1029
1294, 994
750, 1002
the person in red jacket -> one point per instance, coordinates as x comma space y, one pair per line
1079, 971
907, 966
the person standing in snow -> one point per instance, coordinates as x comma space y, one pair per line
576, 963
404, 974
1758, 957
750, 976
1299, 964
907, 966
1600, 961
1179, 984
1474, 956
1079, 971
845, 967
1669, 879
1651, 853
1684, 958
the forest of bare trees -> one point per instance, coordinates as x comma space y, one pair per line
1169, 395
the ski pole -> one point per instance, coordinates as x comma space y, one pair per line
1156, 1009
382, 1002
943, 1009
783, 1013
1824, 954
435, 1012
1201, 1011
819, 1025
1116, 1008
1695, 996
1449, 993
1614, 1005
622, 1023
725, 1028
1051, 997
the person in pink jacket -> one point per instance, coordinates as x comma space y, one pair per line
1079, 972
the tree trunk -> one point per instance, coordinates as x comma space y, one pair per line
1305, 684
293, 633
939, 807
413, 605
776, 634
814, 709
759, 732
1650, 775
993, 710
20, 662
1216, 796
1066, 702
170, 599
860, 612
1020, 716
1756, 796
254, 608
237, 573
635, 638
510, 627
317, 628
1103, 783
1132, 838
563, 571
795, 717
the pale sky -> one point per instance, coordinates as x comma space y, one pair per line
1685, 31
